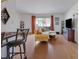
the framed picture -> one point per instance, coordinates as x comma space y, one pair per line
4, 15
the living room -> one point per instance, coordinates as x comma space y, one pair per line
28, 12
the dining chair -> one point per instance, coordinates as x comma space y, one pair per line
20, 39
2, 36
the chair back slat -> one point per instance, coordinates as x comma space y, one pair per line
22, 34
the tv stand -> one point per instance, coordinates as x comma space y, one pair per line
69, 34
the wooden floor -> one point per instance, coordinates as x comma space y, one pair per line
57, 48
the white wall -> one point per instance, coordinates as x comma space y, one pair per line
73, 11
27, 20
13, 22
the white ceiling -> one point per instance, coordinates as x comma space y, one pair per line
44, 6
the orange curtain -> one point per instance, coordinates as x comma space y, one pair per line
33, 24
52, 23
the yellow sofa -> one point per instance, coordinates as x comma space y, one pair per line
41, 37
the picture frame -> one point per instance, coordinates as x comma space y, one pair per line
4, 15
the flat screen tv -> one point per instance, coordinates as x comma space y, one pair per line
69, 23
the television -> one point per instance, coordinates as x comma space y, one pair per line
69, 23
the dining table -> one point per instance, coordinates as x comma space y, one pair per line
4, 44
6, 38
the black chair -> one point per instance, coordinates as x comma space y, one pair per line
21, 37
2, 36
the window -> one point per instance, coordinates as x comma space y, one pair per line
43, 23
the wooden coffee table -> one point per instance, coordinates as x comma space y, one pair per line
51, 36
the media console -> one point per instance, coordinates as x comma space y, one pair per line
69, 34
